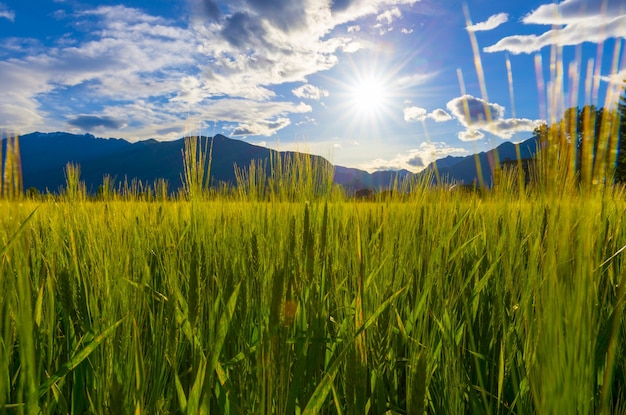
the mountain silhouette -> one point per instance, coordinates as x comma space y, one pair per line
463, 170
45, 155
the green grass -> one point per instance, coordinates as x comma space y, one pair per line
283, 296
450, 302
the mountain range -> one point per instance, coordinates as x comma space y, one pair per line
45, 155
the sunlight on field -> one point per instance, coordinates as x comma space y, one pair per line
284, 294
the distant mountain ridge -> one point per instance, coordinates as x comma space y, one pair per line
463, 170
45, 155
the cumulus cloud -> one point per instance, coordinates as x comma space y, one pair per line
308, 91
476, 114
439, 115
406, 31
490, 24
266, 128
95, 122
416, 159
583, 21
6, 13
155, 72
412, 114
470, 135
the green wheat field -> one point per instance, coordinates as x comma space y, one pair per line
285, 296
429, 299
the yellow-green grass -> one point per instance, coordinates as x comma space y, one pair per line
283, 296
452, 302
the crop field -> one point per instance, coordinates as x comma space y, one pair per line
442, 301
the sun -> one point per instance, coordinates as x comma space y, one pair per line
369, 95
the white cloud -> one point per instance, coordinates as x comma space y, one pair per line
389, 15
476, 114
574, 11
406, 31
412, 114
470, 135
490, 24
440, 115
221, 66
354, 28
6, 13
415, 160
308, 91
616, 78
583, 21
410, 81
266, 128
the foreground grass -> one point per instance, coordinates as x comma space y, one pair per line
447, 303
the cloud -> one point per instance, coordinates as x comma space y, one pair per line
266, 128
388, 16
354, 28
93, 122
618, 78
440, 115
282, 14
6, 13
309, 91
583, 21
471, 111
412, 114
476, 114
416, 159
574, 11
155, 72
406, 31
491, 23
470, 135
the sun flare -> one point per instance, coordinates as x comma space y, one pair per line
369, 95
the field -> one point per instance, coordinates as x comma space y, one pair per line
443, 301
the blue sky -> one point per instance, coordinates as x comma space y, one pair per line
374, 84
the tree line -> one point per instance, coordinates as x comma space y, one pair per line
587, 145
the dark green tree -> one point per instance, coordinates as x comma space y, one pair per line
620, 168
587, 145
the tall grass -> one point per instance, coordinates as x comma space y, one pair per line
285, 297
450, 303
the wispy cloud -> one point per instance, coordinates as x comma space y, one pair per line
266, 128
583, 21
153, 73
6, 13
616, 78
412, 114
490, 24
416, 159
388, 16
475, 114
308, 91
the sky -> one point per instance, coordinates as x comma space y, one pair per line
371, 84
